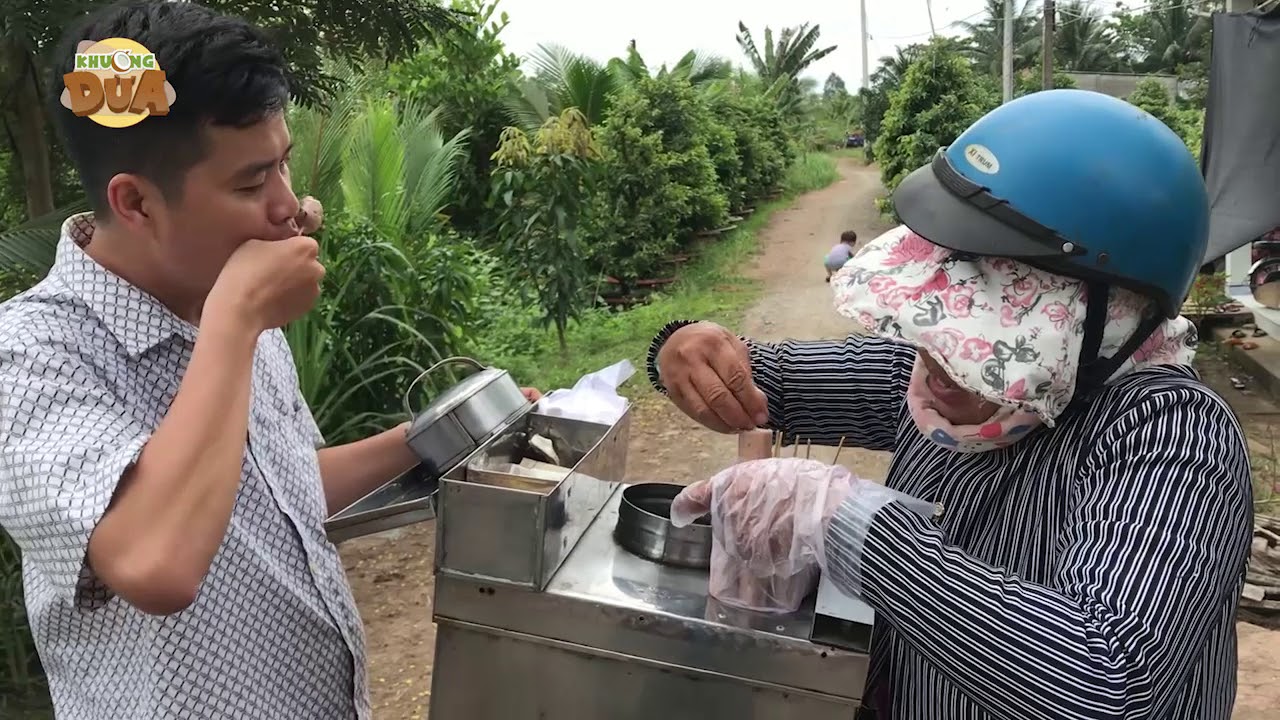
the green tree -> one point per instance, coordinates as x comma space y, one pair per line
541, 188
780, 63
1165, 35
834, 87
940, 96
658, 182
1083, 40
399, 290
1029, 81
467, 73
886, 78
986, 37
699, 69
1151, 96
563, 79
759, 143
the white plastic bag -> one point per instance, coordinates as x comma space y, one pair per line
594, 398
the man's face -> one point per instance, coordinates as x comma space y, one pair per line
240, 191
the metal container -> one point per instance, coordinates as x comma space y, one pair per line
616, 636
519, 537
463, 417
644, 528
452, 427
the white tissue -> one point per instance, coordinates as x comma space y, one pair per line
594, 398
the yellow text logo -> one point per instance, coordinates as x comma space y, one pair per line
116, 83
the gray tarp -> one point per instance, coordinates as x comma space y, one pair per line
1241, 151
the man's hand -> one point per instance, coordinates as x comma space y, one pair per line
268, 283
310, 215
707, 372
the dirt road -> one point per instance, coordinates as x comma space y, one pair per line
796, 303
391, 574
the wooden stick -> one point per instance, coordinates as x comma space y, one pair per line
838, 449
808, 449
777, 445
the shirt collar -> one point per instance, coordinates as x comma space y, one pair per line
137, 319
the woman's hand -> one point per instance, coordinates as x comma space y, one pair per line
770, 514
768, 520
707, 373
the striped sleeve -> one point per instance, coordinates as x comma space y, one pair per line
1156, 543
821, 391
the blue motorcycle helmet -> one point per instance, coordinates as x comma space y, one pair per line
1076, 183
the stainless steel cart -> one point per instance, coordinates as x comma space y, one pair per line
540, 614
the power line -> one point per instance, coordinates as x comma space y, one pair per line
927, 32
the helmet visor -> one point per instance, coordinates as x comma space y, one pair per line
949, 209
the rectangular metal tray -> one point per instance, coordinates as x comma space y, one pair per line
408, 499
516, 537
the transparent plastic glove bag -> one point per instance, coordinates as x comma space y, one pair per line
768, 520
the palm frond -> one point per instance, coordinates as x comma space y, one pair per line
529, 104
430, 168
550, 63
588, 86
748, 45
31, 246
320, 138
373, 169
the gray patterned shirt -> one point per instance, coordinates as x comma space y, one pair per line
89, 365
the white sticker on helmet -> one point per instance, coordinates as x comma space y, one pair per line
982, 158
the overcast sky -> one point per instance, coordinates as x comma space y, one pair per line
664, 30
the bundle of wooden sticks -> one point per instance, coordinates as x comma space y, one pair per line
763, 444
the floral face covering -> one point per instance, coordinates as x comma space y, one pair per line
1006, 331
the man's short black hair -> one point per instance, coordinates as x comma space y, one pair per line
224, 71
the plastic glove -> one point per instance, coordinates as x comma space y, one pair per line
768, 523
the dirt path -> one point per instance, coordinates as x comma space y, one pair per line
391, 573
796, 303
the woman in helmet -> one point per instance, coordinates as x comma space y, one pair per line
1022, 356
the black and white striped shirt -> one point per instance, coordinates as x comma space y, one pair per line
1091, 570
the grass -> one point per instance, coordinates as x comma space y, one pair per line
858, 154
713, 287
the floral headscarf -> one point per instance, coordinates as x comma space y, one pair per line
1003, 329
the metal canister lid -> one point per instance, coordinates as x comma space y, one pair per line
450, 399
454, 396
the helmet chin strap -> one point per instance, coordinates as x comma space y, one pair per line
1095, 371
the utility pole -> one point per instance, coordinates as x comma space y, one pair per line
1007, 75
933, 31
866, 68
1046, 52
